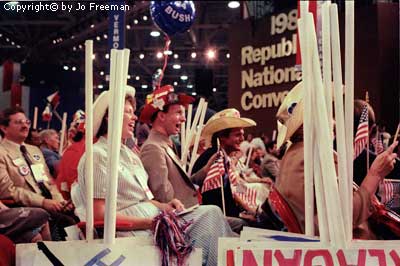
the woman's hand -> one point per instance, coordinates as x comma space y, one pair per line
177, 205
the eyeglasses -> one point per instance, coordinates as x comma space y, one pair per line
22, 121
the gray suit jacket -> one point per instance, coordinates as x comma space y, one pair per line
167, 178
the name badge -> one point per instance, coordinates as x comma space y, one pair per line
141, 176
39, 173
19, 162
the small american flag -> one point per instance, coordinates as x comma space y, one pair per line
214, 175
378, 144
389, 190
247, 194
361, 138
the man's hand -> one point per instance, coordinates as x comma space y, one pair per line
384, 162
177, 205
210, 162
52, 205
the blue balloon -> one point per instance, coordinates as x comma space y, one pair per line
172, 17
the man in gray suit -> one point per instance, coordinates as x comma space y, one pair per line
167, 178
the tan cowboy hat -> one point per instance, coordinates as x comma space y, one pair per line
228, 118
101, 105
290, 114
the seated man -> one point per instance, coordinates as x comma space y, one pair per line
24, 176
49, 145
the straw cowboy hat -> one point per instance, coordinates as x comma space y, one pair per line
101, 105
161, 97
290, 114
228, 118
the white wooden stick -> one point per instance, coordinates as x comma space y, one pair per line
189, 120
273, 135
349, 111
183, 133
305, 47
197, 139
250, 151
63, 130
35, 117
89, 138
397, 133
117, 106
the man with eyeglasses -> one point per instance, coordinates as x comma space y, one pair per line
24, 176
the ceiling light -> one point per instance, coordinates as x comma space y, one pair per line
74, 48
107, 56
210, 54
105, 36
214, 89
176, 56
92, 26
168, 52
144, 17
136, 21
128, 27
176, 66
193, 55
184, 77
141, 56
159, 55
101, 73
98, 38
18, 46
194, 93
73, 68
137, 77
155, 33
66, 67
228, 55
144, 86
189, 86
233, 4
100, 86
12, 43
175, 83
93, 56
73, 37
80, 46
129, 76
1, 35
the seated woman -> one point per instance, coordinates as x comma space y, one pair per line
24, 225
134, 199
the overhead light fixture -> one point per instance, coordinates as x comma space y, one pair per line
137, 77
129, 76
66, 67
184, 77
7, 39
228, 55
176, 56
141, 56
155, 33
93, 56
92, 26
194, 93
73, 37
193, 55
73, 68
107, 56
128, 27
100, 86
74, 48
135, 21
233, 4
144, 17
189, 86
144, 86
211, 54
214, 89
18, 46
12, 43
168, 52
98, 38
105, 36
80, 46
175, 83
101, 73
176, 66
159, 55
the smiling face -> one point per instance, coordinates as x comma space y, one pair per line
170, 122
17, 129
232, 141
128, 124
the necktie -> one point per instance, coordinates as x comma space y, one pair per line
45, 192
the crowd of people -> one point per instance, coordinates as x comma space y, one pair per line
42, 189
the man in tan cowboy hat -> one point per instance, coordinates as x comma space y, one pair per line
290, 115
167, 178
225, 127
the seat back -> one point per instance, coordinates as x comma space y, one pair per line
282, 208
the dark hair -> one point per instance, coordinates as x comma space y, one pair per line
270, 145
220, 134
6, 113
164, 110
104, 122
